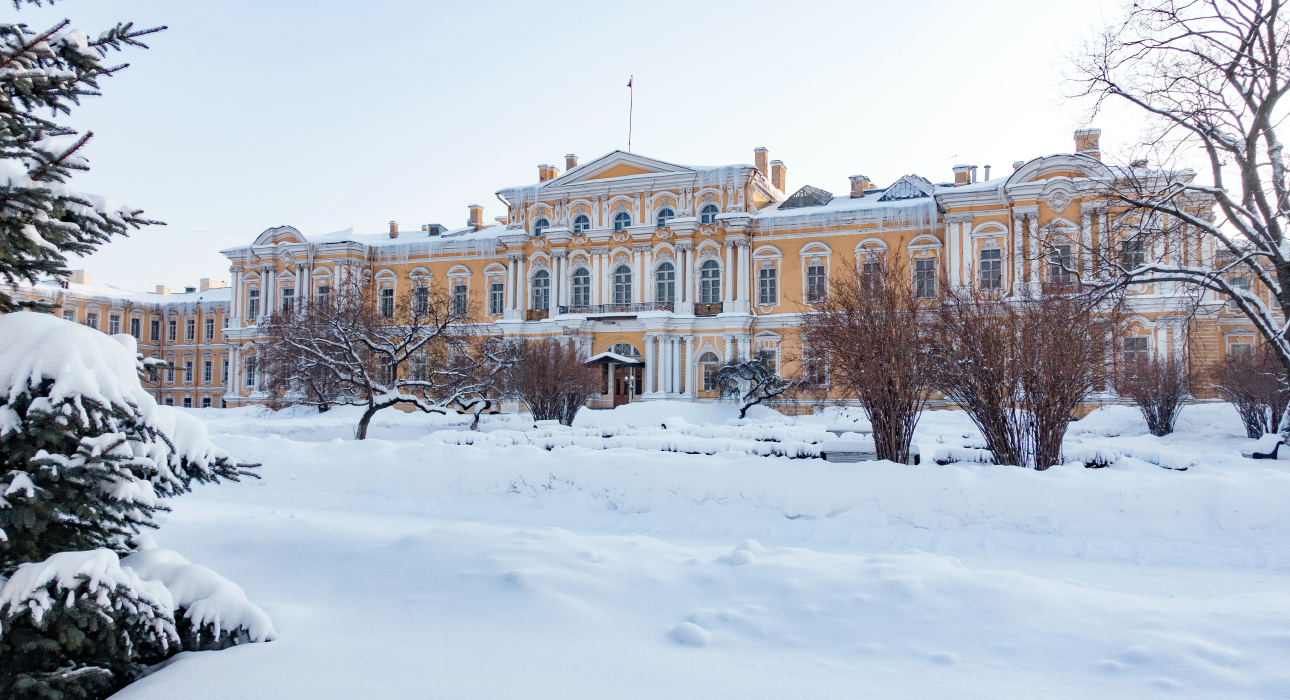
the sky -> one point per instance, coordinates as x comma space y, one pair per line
329, 115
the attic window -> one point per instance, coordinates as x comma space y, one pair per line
807, 197
908, 187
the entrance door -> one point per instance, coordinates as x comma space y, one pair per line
627, 383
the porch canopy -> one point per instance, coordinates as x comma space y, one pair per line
605, 358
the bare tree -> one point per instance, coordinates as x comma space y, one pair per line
1020, 366
1256, 384
751, 381
870, 329
1209, 75
551, 376
1159, 387
359, 347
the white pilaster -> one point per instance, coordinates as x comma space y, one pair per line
730, 342
744, 264
1017, 253
954, 233
1086, 240
674, 357
689, 367
728, 293
523, 283
638, 279
649, 365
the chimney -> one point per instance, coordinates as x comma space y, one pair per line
394, 229
1087, 143
547, 172
759, 157
570, 161
206, 283
476, 220
859, 183
79, 277
962, 175
974, 173
1138, 163
163, 290
778, 175
1017, 164
987, 173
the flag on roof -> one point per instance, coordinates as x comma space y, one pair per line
629, 81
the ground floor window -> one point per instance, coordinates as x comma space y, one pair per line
708, 364
188, 402
206, 402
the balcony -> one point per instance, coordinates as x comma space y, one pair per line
707, 309
536, 314
598, 309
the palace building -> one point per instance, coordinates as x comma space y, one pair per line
663, 271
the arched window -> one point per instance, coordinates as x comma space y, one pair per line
666, 278
625, 349
708, 214
622, 285
540, 226
581, 223
581, 287
710, 282
708, 364
622, 220
541, 290
663, 216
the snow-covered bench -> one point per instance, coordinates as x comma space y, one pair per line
842, 450
1265, 448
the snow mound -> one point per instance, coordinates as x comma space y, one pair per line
691, 634
209, 600
656, 413
1110, 421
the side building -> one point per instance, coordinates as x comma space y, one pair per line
185, 329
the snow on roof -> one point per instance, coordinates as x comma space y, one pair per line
219, 294
615, 357
377, 240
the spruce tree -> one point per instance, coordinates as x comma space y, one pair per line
41, 218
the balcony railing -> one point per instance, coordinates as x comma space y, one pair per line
707, 309
536, 315
595, 309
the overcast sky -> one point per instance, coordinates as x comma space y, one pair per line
328, 115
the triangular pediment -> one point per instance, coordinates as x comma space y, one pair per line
617, 164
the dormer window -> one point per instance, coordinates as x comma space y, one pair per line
622, 220
540, 226
708, 215
581, 223
664, 215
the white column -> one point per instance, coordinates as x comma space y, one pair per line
665, 363
689, 276
952, 232
510, 284
638, 283
744, 263
649, 365
676, 364
1034, 247
729, 286
1017, 253
730, 342
267, 296
647, 294
689, 366
595, 278
1086, 241
522, 282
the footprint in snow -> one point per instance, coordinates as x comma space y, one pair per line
691, 634
945, 659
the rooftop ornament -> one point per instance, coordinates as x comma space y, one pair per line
807, 197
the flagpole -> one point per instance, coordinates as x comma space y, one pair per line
631, 106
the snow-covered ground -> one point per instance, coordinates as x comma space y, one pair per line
625, 559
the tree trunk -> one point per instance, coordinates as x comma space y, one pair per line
361, 433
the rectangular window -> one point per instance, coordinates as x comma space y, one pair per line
420, 299
387, 303
114, 324
1059, 266
1132, 254
925, 278
188, 371
172, 331
816, 283
496, 298
582, 287
871, 276
323, 295
170, 401
210, 329
459, 299
190, 330
92, 320
419, 367
1239, 349
992, 269
767, 292
170, 374
188, 402
1240, 284
206, 402
815, 367
252, 303
224, 374
1135, 349
154, 330
288, 300
69, 315
208, 371
250, 371
136, 328
665, 279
